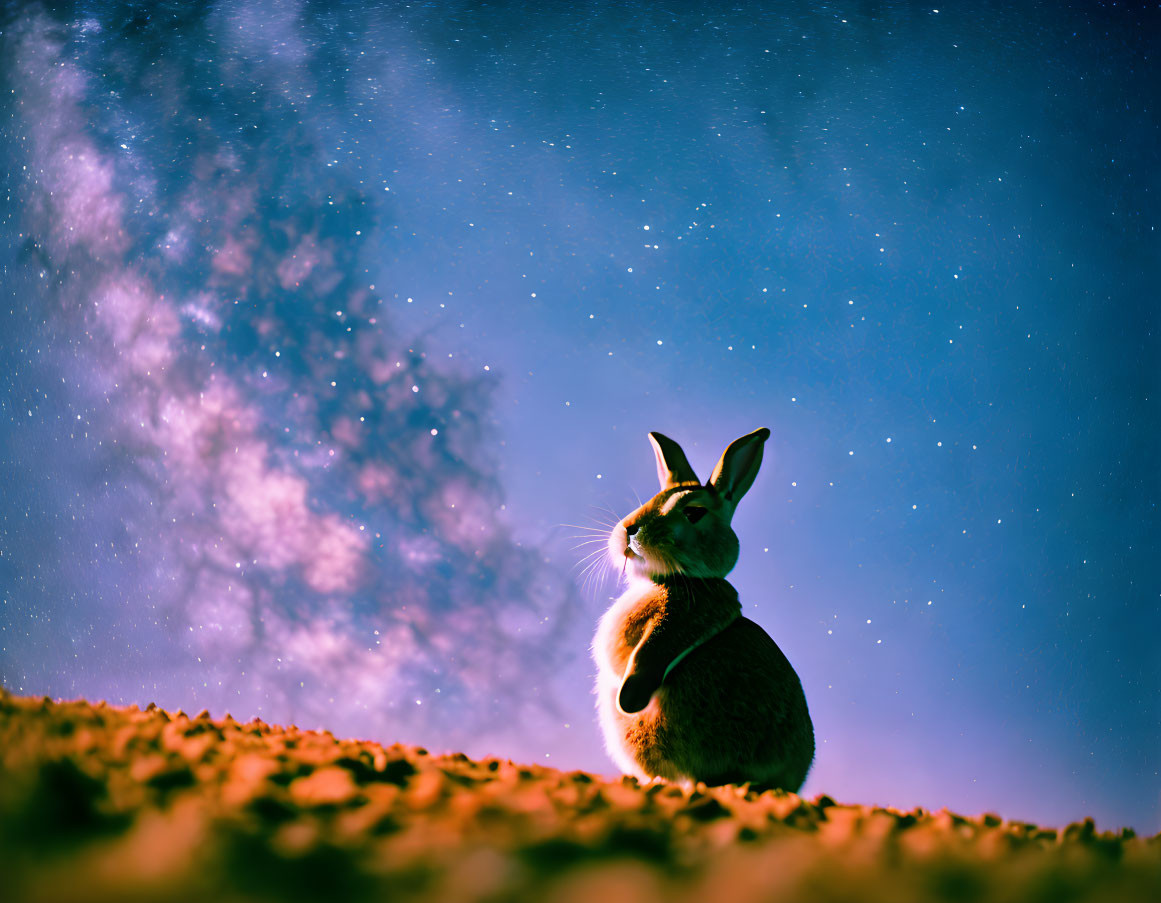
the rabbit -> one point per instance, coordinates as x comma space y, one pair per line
688, 689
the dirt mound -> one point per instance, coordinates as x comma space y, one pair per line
106, 803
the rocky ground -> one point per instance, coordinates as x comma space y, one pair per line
105, 803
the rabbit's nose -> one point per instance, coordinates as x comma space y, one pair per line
631, 530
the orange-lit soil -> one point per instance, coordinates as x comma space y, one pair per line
105, 803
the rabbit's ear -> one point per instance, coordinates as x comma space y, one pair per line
672, 467
739, 465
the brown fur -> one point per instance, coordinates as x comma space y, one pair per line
731, 711
687, 688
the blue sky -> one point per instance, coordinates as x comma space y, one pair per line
918, 245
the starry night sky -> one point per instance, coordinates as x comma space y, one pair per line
322, 322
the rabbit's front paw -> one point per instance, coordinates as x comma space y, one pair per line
636, 691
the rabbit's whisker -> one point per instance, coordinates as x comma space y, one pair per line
588, 561
581, 545
591, 557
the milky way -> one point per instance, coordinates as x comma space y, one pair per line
310, 495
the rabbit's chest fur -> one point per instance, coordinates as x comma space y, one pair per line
621, 627
672, 608
683, 615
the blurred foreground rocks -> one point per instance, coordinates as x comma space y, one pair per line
103, 803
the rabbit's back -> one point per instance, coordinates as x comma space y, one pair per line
731, 711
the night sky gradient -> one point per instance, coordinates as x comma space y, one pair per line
321, 322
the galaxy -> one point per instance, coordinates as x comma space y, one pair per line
332, 332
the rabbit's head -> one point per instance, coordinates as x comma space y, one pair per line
685, 528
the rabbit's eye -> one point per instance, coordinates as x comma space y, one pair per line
694, 513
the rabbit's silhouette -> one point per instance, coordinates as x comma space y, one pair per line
687, 688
